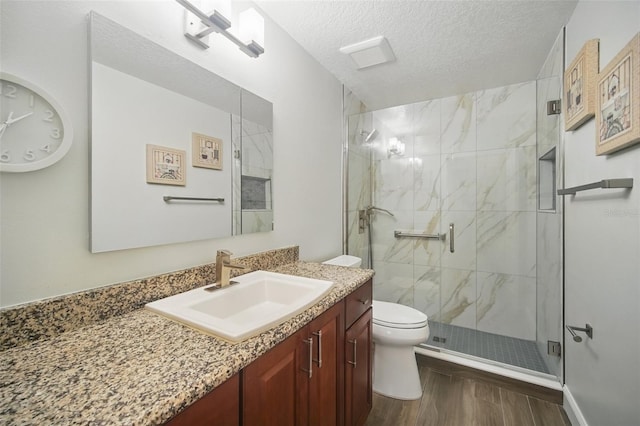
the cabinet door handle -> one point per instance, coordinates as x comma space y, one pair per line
355, 352
364, 302
319, 360
309, 342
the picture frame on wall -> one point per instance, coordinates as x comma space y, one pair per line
166, 166
618, 101
206, 151
579, 82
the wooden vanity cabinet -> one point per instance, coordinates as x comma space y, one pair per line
272, 385
299, 381
221, 407
319, 376
326, 386
359, 355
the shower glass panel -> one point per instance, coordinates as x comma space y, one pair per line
470, 161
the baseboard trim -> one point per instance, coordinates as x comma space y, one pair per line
572, 409
539, 387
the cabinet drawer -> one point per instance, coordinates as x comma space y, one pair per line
358, 302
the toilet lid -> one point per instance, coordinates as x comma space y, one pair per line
395, 315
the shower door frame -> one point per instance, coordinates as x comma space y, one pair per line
351, 135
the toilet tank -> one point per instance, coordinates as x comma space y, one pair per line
345, 260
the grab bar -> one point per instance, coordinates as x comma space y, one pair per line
401, 234
603, 184
168, 198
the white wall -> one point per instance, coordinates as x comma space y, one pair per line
44, 234
602, 245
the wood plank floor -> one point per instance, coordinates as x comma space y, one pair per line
453, 398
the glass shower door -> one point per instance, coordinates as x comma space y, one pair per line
467, 161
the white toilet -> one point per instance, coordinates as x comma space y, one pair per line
396, 330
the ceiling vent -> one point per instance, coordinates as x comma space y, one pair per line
370, 52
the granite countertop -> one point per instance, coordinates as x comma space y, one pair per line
139, 368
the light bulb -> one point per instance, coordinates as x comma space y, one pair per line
251, 27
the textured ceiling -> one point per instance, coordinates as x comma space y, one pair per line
442, 48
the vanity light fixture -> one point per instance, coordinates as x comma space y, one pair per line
396, 147
251, 27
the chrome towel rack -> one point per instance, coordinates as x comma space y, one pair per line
168, 198
603, 184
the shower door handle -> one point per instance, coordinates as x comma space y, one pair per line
452, 245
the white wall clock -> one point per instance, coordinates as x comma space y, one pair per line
34, 130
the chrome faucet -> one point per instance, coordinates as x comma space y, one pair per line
224, 267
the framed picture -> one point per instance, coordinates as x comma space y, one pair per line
579, 82
166, 165
618, 101
206, 151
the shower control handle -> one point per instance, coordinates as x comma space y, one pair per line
587, 329
452, 246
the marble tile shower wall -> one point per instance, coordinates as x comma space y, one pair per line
254, 158
469, 160
359, 178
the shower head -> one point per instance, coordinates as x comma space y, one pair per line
369, 135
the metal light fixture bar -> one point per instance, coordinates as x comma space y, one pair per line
219, 24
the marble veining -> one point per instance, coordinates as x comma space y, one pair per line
459, 181
426, 252
139, 368
385, 246
393, 283
496, 312
458, 297
507, 242
426, 128
458, 121
507, 179
507, 116
426, 294
393, 185
470, 160
426, 183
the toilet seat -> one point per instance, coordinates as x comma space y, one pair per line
394, 315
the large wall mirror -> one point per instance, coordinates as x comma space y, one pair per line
177, 153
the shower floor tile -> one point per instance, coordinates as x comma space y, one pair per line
508, 350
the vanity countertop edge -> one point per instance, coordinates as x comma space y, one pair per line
141, 368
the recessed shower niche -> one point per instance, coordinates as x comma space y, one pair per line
547, 181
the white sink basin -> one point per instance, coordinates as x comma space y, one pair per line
259, 301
